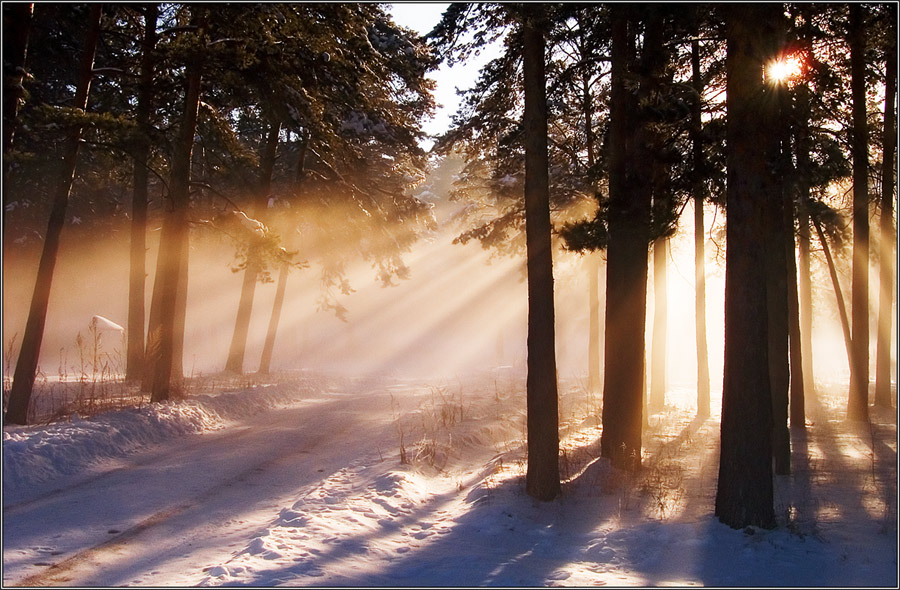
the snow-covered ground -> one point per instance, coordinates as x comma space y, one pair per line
302, 483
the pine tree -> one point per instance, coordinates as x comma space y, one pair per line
134, 368
542, 477
745, 495
26, 366
171, 269
858, 399
886, 218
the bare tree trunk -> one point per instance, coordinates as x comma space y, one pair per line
803, 270
660, 321
238, 347
798, 387
777, 279
593, 260
593, 269
26, 366
839, 296
265, 360
745, 492
858, 398
627, 255
886, 256
542, 477
134, 364
174, 236
698, 189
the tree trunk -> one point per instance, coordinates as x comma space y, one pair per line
858, 398
16, 27
886, 256
626, 267
745, 494
542, 477
803, 260
238, 347
698, 189
265, 360
777, 280
839, 296
180, 320
593, 270
593, 260
660, 320
134, 363
26, 366
175, 235
798, 387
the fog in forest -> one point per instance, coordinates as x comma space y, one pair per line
461, 310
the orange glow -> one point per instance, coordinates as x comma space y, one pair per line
785, 69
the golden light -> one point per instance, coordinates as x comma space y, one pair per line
785, 69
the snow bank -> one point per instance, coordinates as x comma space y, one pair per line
38, 454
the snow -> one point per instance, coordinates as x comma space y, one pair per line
254, 225
101, 324
300, 483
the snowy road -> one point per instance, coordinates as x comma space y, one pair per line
191, 501
301, 484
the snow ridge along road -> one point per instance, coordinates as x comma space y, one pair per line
185, 501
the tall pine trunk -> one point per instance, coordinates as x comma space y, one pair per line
838, 295
134, 363
174, 237
745, 493
858, 398
593, 271
26, 366
660, 321
265, 360
627, 255
235, 362
886, 227
698, 189
804, 280
798, 387
542, 476
777, 290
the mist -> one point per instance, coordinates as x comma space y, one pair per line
461, 310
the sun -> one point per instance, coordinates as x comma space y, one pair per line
785, 69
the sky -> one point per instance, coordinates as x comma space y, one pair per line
422, 17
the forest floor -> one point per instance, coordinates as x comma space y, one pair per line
389, 482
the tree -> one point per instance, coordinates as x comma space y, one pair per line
858, 398
265, 360
774, 243
660, 319
542, 477
745, 494
630, 191
698, 189
134, 367
886, 225
235, 360
26, 366
171, 267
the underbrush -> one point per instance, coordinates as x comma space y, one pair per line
91, 381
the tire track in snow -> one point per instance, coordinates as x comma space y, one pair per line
100, 558
18, 507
